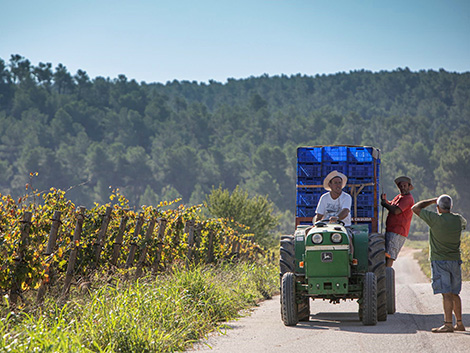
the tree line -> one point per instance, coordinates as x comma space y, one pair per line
162, 141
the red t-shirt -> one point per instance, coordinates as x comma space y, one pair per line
400, 223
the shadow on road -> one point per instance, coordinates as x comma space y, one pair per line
398, 323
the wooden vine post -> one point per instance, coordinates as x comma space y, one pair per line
138, 227
16, 284
197, 242
247, 247
97, 247
49, 251
145, 245
233, 249
158, 255
237, 248
75, 248
53, 233
210, 248
189, 228
99, 243
118, 242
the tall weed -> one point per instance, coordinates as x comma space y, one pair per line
163, 314
465, 253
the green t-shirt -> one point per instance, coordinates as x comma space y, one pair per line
444, 234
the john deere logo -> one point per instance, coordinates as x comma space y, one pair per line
326, 257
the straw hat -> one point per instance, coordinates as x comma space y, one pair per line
332, 175
405, 179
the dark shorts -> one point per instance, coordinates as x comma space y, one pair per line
446, 276
393, 244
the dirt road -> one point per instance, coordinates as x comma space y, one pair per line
336, 328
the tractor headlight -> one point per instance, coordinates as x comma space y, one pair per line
317, 238
336, 238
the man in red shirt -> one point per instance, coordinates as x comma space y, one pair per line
398, 219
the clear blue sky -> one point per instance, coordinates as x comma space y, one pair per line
200, 40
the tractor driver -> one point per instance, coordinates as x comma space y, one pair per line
334, 205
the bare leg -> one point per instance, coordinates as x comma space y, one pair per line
389, 262
448, 303
457, 307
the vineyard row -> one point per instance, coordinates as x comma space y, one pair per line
56, 242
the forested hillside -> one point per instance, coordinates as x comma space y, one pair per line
160, 141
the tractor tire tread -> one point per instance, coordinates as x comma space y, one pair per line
377, 266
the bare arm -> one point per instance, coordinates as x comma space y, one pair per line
391, 208
317, 218
417, 207
343, 214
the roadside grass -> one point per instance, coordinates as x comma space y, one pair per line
163, 314
423, 255
465, 248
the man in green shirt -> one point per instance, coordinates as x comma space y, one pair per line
445, 229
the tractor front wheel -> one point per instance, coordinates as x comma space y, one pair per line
288, 303
369, 300
377, 266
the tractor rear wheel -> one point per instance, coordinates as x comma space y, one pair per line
287, 255
377, 266
390, 275
288, 303
303, 309
369, 300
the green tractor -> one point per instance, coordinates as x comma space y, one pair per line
329, 261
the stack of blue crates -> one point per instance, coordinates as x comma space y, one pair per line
356, 162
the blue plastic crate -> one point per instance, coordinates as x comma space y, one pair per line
366, 193
309, 170
308, 197
335, 153
361, 170
365, 200
309, 154
365, 211
328, 167
309, 181
360, 181
305, 211
360, 154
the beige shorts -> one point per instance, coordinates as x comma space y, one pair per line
393, 244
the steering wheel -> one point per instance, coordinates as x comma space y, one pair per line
323, 222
